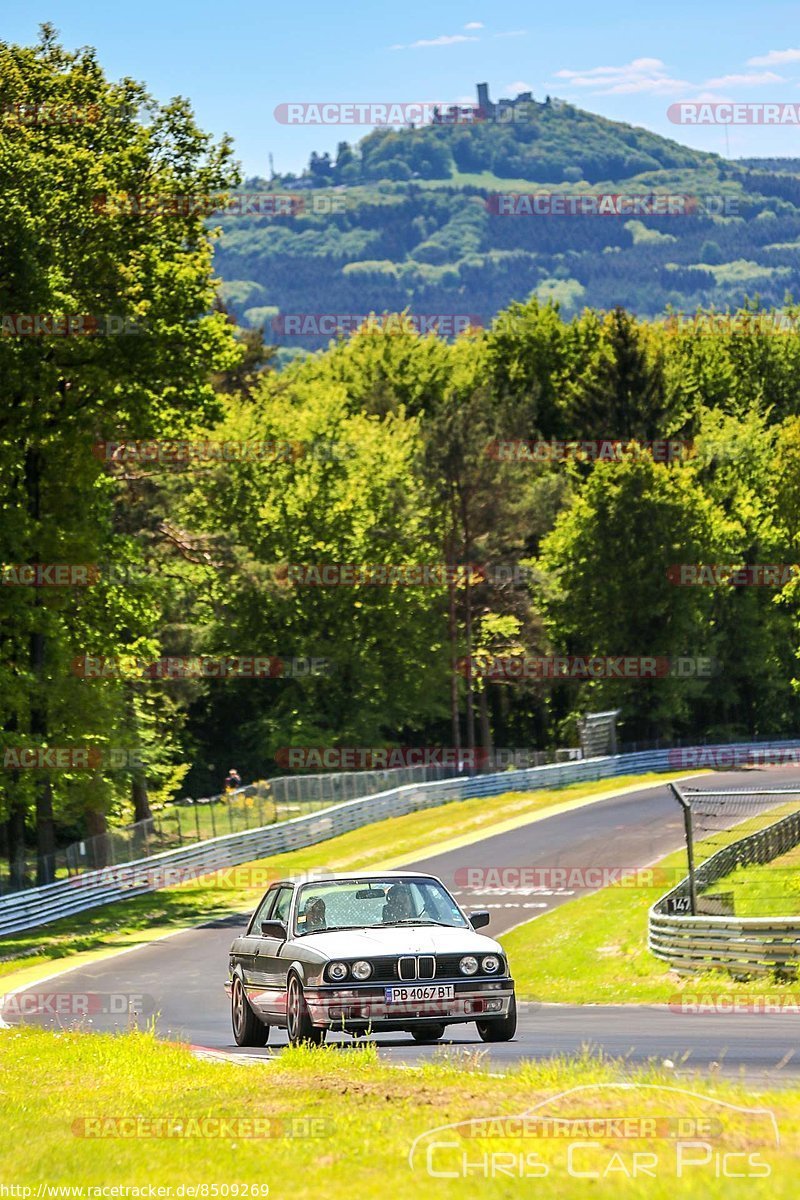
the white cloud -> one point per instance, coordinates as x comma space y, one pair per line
445, 40
512, 33
713, 98
640, 75
474, 25
750, 80
774, 58
512, 89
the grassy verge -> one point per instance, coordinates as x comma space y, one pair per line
769, 890
594, 949
66, 1101
143, 918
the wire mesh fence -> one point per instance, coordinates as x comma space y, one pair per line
197, 820
756, 874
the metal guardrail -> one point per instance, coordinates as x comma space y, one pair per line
741, 945
42, 905
183, 822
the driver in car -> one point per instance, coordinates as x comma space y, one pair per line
314, 913
399, 905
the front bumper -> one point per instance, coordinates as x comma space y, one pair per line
357, 1007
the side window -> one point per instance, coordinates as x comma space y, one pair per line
263, 911
282, 905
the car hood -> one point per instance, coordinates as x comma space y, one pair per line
414, 939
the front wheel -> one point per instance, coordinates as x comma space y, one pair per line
428, 1033
298, 1018
247, 1029
501, 1029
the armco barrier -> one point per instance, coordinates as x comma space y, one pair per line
741, 945
40, 906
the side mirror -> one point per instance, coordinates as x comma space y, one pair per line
274, 929
478, 919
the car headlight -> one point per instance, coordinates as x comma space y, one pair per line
337, 971
468, 965
361, 969
491, 964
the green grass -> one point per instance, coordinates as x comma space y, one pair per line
341, 1124
768, 890
130, 922
593, 950
700, 181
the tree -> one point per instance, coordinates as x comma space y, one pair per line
607, 563
103, 215
620, 391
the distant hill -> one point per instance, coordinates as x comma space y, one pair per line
412, 219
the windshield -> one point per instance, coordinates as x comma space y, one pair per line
374, 904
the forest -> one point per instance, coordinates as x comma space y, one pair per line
401, 540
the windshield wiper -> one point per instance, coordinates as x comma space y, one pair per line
418, 921
332, 929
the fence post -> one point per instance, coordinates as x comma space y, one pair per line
688, 828
178, 823
197, 821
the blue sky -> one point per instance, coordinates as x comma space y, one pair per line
626, 60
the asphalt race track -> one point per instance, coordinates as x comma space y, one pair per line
180, 979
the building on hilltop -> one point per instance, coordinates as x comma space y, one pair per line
485, 110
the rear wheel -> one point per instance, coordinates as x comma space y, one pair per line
247, 1029
427, 1033
500, 1029
298, 1018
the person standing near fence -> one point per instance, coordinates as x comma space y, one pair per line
233, 780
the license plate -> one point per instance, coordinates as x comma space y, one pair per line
431, 991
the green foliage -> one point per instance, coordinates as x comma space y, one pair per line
150, 275
395, 441
427, 197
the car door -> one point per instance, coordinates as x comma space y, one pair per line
246, 951
271, 967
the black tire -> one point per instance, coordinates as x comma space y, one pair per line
428, 1033
499, 1029
298, 1020
247, 1029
